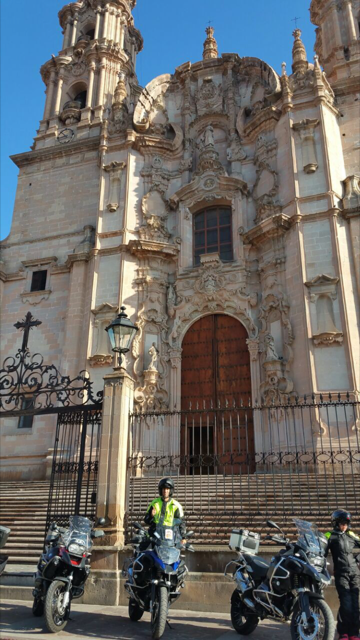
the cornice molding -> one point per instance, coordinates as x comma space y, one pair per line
58, 151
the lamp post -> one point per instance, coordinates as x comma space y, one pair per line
121, 332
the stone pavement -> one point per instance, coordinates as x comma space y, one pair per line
111, 623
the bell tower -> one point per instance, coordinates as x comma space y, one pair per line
337, 40
99, 41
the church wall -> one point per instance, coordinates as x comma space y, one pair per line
334, 151
73, 183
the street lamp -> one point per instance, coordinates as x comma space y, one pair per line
121, 332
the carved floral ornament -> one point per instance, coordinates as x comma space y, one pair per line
210, 295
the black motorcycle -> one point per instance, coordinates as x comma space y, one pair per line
63, 570
155, 574
291, 587
4, 534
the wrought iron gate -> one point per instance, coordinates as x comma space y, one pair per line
74, 473
28, 388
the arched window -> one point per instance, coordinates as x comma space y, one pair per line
213, 233
90, 33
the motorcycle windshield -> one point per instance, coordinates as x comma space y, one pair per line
79, 532
309, 537
167, 536
169, 555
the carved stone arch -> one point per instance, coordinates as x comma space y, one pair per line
149, 95
225, 312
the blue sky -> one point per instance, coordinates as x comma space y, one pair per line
173, 32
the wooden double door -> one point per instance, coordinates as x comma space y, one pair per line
216, 372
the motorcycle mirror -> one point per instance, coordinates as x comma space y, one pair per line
156, 535
190, 548
101, 522
53, 526
136, 525
98, 534
189, 534
273, 525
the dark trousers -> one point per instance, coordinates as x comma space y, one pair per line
348, 588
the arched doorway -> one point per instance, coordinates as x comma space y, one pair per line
216, 372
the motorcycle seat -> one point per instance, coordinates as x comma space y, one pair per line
258, 565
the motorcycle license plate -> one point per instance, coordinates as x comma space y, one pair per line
169, 534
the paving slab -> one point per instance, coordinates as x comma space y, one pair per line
112, 623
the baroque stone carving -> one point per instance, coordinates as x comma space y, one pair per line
101, 354
323, 291
114, 169
120, 119
209, 98
210, 294
306, 130
151, 396
155, 211
171, 301
351, 199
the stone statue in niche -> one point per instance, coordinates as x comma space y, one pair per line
270, 350
171, 301
154, 355
209, 136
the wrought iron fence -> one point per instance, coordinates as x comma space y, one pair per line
238, 465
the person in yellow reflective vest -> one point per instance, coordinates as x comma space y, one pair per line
165, 509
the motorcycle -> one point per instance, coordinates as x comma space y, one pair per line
4, 534
155, 574
290, 588
62, 570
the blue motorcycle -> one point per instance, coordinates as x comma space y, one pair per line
155, 574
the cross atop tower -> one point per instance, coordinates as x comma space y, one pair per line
296, 21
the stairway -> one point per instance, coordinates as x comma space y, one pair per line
213, 506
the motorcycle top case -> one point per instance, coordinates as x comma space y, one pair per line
244, 541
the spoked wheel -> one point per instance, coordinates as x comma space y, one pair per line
242, 620
159, 613
135, 611
38, 608
321, 626
56, 615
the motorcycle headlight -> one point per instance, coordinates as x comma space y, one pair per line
76, 549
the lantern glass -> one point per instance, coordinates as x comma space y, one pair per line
121, 333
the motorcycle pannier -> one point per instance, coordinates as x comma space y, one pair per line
244, 541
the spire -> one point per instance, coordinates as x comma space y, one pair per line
300, 63
210, 45
120, 92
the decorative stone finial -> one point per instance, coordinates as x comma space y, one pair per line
120, 92
210, 45
300, 63
283, 69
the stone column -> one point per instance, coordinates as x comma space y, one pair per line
74, 326
350, 21
67, 36
89, 97
253, 345
122, 34
73, 35
335, 17
97, 24
100, 98
113, 464
49, 95
106, 22
118, 27
59, 92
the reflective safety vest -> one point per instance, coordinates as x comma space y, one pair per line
171, 507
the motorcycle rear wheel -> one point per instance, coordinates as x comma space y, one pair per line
135, 611
324, 623
38, 608
56, 619
243, 622
159, 613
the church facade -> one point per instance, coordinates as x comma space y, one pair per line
219, 204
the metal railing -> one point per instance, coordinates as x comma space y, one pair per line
240, 464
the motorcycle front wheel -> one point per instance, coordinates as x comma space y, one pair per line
243, 622
38, 608
159, 613
135, 611
320, 627
56, 616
